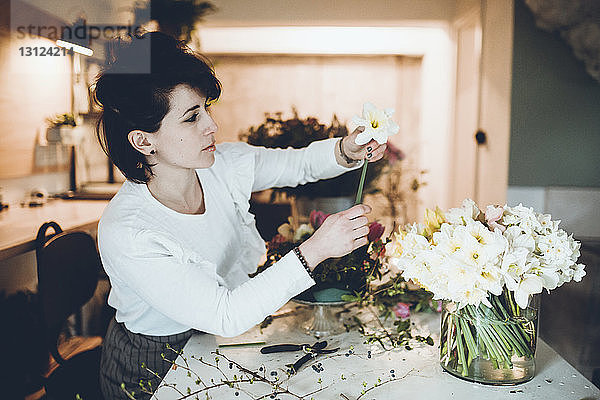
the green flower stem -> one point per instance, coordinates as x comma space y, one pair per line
499, 306
505, 338
521, 347
461, 351
524, 334
504, 343
498, 354
361, 184
497, 342
495, 354
488, 332
471, 351
469, 339
472, 313
448, 346
509, 334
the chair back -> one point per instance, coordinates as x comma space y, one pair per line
67, 266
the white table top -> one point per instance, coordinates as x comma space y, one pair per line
19, 225
418, 374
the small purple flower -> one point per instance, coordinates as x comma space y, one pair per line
375, 231
317, 217
402, 310
393, 153
436, 305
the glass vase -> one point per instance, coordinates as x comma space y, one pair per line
323, 321
491, 345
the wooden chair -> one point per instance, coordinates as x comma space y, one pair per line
68, 264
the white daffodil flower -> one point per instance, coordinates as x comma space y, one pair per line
378, 124
550, 277
578, 272
286, 231
531, 284
468, 211
465, 261
302, 231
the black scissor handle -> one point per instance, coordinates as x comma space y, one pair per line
327, 351
301, 361
277, 348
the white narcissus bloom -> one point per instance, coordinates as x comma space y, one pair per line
550, 276
531, 284
555, 248
575, 246
491, 279
578, 272
378, 124
517, 237
460, 216
286, 230
471, 252
445, 240
521, 216
465, 261
546, 223
303, 230
513, 266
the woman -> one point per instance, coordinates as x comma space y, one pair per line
177, 240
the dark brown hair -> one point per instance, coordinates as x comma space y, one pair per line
133, 93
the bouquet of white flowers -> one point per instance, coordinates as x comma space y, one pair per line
486, 265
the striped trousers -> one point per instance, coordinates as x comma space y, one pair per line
123, 353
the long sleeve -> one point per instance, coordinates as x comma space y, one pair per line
179, 284
291, 167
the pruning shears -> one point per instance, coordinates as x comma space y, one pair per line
311, 352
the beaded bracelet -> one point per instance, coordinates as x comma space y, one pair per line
303, 261
345, 156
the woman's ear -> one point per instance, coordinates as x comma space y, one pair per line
140, 141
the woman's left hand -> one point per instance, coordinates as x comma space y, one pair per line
371, 151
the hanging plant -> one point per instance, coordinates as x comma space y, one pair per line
177, 18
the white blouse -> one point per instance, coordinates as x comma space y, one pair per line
170, 272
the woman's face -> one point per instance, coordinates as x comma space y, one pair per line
186, 135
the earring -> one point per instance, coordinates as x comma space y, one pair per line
139, 165
152, 152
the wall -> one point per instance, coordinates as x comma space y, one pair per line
315, 12
555, 129
554, 168
437, 64
432, 44
495, 108
555, 121
33, 88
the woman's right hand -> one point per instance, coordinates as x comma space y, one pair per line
339, 234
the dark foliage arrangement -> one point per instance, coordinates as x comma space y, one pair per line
350, 273
296, 132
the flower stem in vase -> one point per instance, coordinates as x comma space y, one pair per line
490, 344
361, 184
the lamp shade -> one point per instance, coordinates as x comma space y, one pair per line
76, 37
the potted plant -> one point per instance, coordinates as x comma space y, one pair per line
177, 18
58, 125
